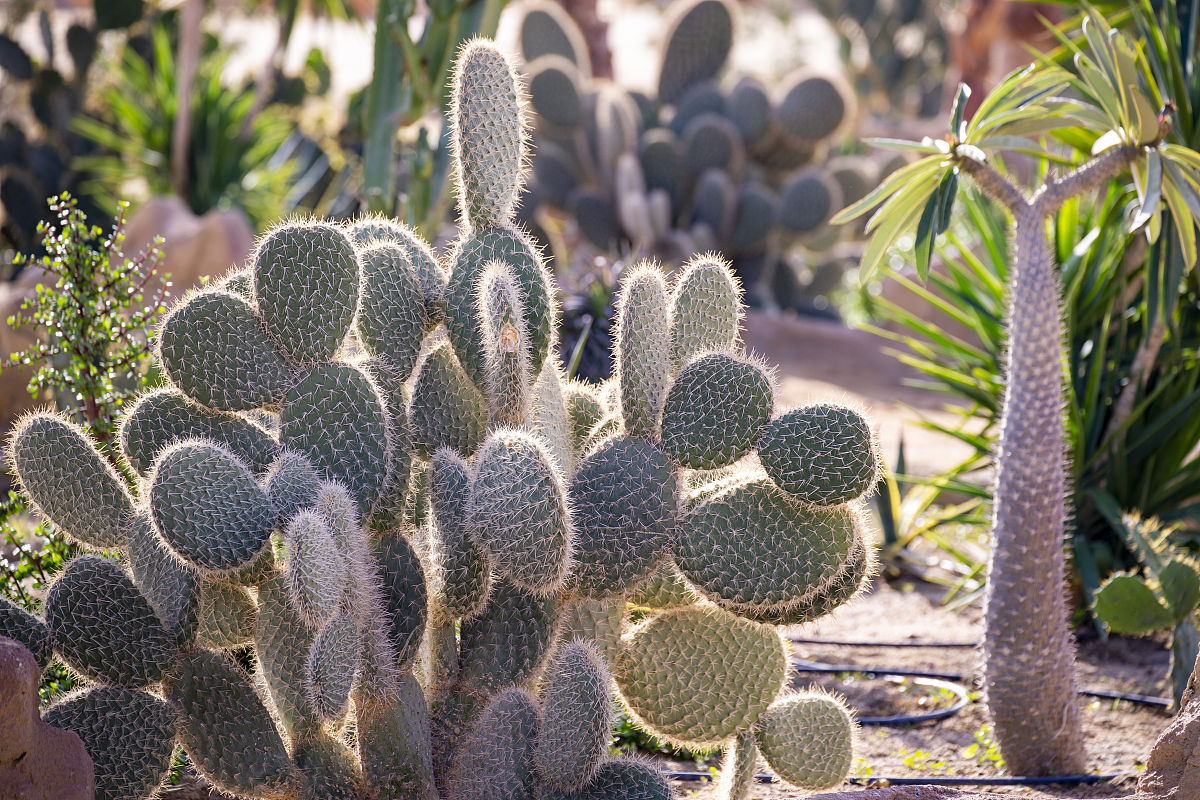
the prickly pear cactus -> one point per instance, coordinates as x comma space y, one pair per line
369, 470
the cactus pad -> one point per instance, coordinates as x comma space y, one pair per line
643, 350
715, 411
462, 577
820, 454
807, 739
446, 410
391, 317
18, 624
507, 642
496, 761
706, 309
576, 717
697, 46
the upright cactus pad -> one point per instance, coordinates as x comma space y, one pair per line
369, 466
698, 42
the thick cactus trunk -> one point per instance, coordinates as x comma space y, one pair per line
1030, 655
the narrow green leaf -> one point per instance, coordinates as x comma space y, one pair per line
925, 235
1151, 192
958, 111
893, 183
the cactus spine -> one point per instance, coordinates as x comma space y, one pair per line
495, 512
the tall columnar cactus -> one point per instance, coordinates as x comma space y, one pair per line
368, 468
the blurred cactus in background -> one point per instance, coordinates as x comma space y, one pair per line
368, 472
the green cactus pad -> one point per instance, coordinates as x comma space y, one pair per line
129, 735
486, 112
757, 207
643, 350
394, 743
712, 142
620, 779
446, 409
596, 215
597, 622
239, 282
701, 98
548, 417
584, 410
18, 624
814, 107
661, 155
332, 663
163, 417
227, 615
404, 597
555, 173
698, 41
749, 108
104, 628
390, 506
854, 177
808, 740
518, 510
841, 587
207, 506
738, 766
747, 544
1127, 605
471, 254
496, 759
505, 346
430, 275
547, 29
306, 282
336, 418
172, 587
696, 676
714, 202
328, 768
663, 588
213, 347
69, 482
283, 642
576, 717
807, 201
624, 496
391, 316
227, 731
706, 309
715, 411
554, 89
507, 642
292, 485
316, 568
462, 576
820, 454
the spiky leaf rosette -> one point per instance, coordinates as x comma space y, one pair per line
430, 275
214, 349
624, 494
306, 282
462, 575
316, 568
471, 255
160, 418
518, 511
821, 454
496, 760
391, 316
68, 481
505, 345
506, 644
227, 615
332, 664
596, 622
104, 628
697, 675
336, 418
227, 731
576, 717
207, 506
619, 779
749, 547
172, 587
807, 739
18, 624
715, 410
446, 410
487, 115
698, 42
129, 735
643, 349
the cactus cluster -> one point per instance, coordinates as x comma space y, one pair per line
368, 474
699, 166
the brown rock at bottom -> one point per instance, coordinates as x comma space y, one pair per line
37, 762
1173, 768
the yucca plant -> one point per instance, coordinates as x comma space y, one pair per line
1115, 97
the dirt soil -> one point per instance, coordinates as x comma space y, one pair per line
1119, 734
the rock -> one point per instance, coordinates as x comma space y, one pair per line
37, 762
193, 247
1173, 768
